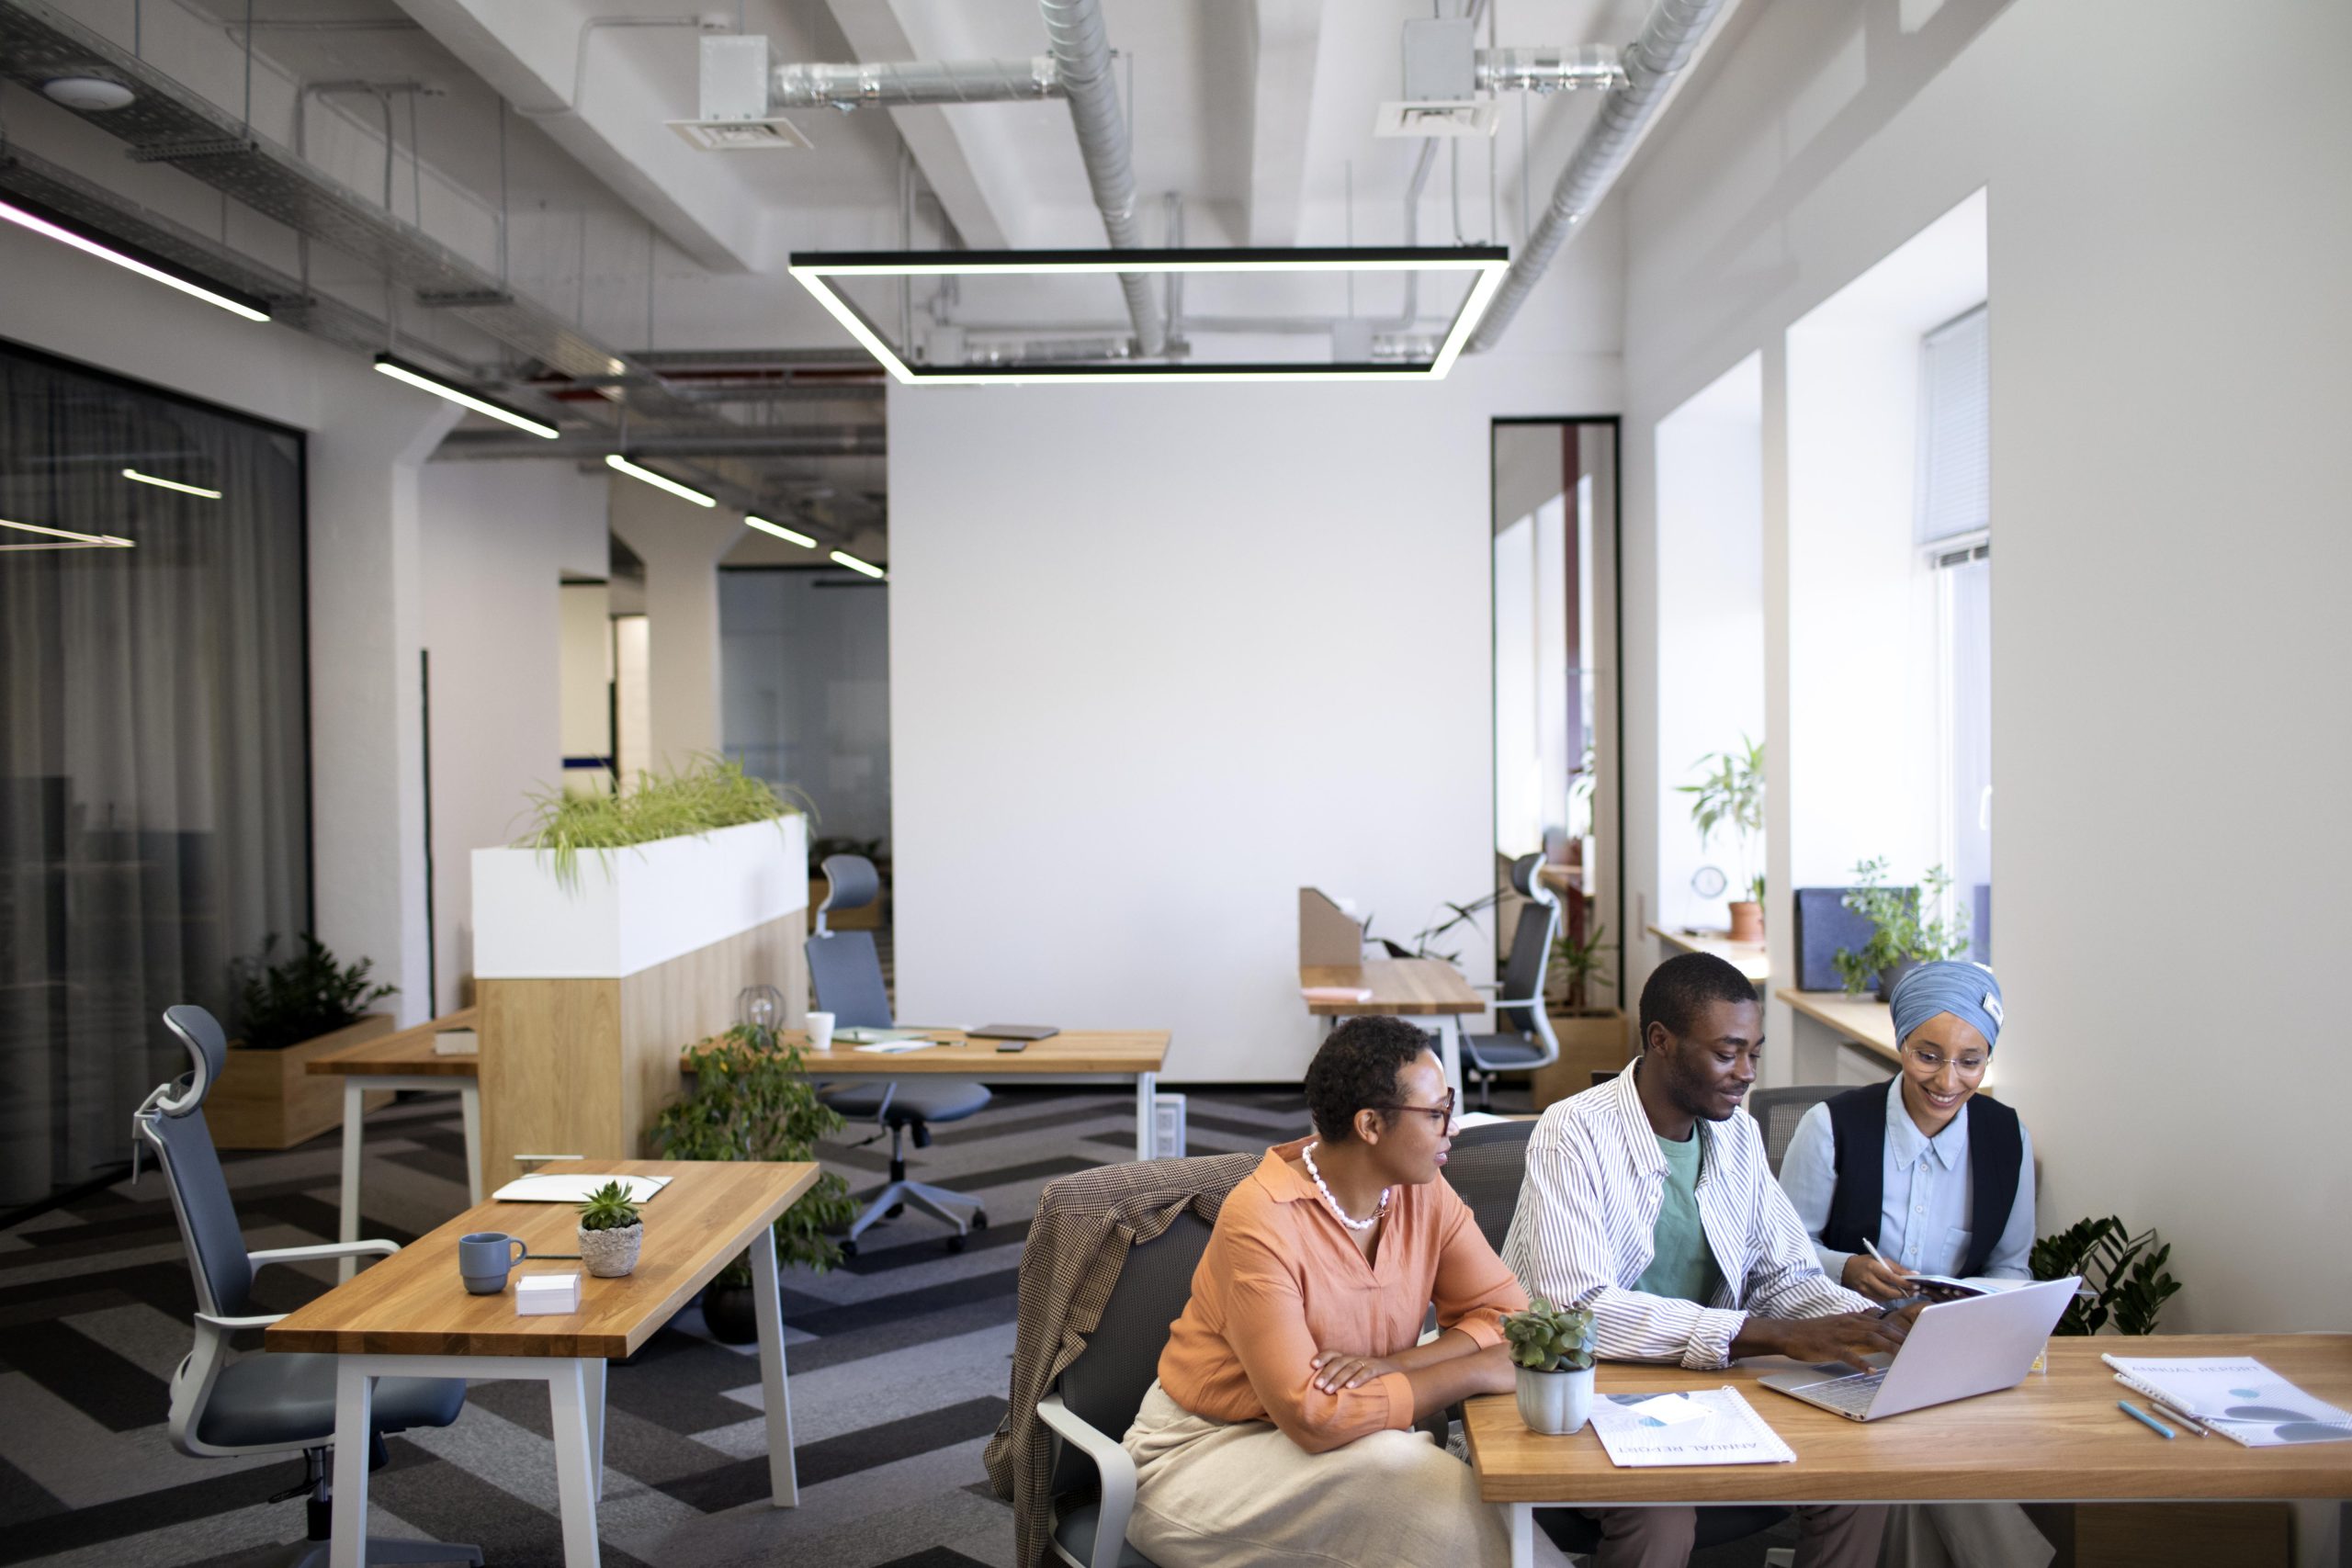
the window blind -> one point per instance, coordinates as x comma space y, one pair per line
1955, 470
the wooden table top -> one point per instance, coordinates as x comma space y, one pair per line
1864, 1020
2057, 1436
413, 1304
1747, 957
1418, 987
1071, 1051
406, 1050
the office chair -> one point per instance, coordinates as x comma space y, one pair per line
848, 976
1777, 1112
268, 1401
1530, 1043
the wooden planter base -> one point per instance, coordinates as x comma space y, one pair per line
267, 1099
1590, 1043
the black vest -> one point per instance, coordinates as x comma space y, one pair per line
1995, 1151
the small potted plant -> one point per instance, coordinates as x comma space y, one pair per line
610, 1232
1551, 1347
1907, 929
1732, 795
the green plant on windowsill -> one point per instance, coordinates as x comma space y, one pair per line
1578, 968
1732, 795
712, 792
1545, 1338
1900, 938
308, 995
2126, 1280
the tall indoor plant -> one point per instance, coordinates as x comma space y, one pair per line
1731, 796
1907, 929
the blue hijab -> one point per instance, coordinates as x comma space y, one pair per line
1964, 989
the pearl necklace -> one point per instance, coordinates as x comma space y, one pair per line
1307, 1155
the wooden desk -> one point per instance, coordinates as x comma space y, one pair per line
1403, 987
1136, 1054
1747, 957
2057, 1436
409, 1316
1859, 1021
403, 1060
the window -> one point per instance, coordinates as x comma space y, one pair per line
1954, 529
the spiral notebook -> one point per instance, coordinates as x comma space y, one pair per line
2236, 1396
1728, 1432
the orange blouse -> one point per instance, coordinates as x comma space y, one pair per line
1282, 1280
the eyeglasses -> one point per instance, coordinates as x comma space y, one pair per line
1933, 1061
1440, 1114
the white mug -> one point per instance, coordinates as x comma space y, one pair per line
821, 1031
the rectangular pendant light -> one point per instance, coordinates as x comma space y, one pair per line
52, 226
684, 493
780, 531
851, 562
136, 477
67, 538
815, 271
416, 376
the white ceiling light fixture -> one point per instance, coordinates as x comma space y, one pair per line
843, 557
88, 95
29, 215
416, 376
780, 531
67, 539
137, 478
1485, 264
684, 493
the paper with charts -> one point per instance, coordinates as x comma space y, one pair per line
573, 1187
2237, 1396
1729, 1431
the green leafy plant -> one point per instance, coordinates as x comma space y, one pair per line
2125, 1273
1580, 967
309, 995
752, 1100
711, 792
1897, 932
608, 1208
1545, 1338
1732, 795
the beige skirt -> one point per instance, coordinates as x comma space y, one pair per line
1232, 1493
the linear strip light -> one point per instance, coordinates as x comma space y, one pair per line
780, 531
70, 539
851, 562
817, 269
120, 255
415, 376
133, 474
684, 493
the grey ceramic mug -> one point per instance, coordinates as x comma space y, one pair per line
484, 1258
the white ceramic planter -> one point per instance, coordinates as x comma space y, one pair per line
611, 1254
1554, 1403
633, 908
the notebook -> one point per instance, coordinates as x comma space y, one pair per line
573, 1187
1730, 1432
2236, 1396
1012, 1031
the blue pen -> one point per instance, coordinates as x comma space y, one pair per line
2142, 1417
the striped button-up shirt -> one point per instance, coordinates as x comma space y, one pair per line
1587, 1210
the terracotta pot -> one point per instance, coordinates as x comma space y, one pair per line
1746, 920
611, 1254
1554, 1403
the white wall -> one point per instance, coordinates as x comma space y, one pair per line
681, 545
2168, 389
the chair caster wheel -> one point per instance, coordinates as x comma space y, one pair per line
849, 1249
955, 1243
894, 1210
980, 1221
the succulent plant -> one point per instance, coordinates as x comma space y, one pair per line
1545, 1338
608, 1208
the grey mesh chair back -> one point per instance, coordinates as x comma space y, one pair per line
1530, 943
1777, 1112
1485, 1168
847, 974
1105, 1385
173, 1125
851, 883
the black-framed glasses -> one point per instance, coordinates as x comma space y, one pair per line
1440, 1114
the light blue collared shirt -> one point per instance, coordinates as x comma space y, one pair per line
1925, 1221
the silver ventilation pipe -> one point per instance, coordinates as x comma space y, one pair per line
1082, 61
906, 84
1668, 38
1548, 68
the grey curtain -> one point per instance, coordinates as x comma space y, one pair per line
155, 787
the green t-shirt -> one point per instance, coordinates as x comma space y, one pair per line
1683, 1267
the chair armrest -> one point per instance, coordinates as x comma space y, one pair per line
231, 1325
376, 1248
1111, 1462
1518, 1002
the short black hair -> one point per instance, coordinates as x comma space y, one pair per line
1679, 987
1356, 1069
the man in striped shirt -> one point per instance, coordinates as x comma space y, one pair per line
1648, 1199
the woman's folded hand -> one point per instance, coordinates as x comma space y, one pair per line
1336, 1369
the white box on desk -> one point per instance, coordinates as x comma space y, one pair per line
540, 1296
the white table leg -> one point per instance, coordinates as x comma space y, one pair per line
1147, 1115
1522, 1535
355, 1400
575, 1481
470, 1109
767, 1305
1449, 1050
354, 1113
591, 1387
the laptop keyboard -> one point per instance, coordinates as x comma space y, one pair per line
1852, 1395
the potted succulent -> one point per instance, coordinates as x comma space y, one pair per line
1901, 940
610, 1232
1592, 1038
1551, 1347
752, 1100
1732, 795
289, 1013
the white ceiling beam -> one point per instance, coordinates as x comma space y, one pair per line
973, 200
1287, 38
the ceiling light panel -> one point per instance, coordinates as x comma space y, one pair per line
35, 218
424, 380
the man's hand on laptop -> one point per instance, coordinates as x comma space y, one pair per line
1849, 1337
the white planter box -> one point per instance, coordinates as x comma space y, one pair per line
634, 907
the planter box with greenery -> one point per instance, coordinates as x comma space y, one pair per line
1591, 1036
289, 1015
1901, 940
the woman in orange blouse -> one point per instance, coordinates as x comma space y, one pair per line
1281, 1428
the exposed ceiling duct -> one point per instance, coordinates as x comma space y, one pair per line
1082, 60
906, 84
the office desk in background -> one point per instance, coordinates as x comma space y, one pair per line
1842, 1039
1427, 990
1747, 957
404, 1059
409, 1316
2057, 1436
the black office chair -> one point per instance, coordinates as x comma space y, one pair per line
1777, 1112
266, 1403
1529, 1042
847, 974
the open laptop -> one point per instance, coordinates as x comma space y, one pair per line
1955, 1350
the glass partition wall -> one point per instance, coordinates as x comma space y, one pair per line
1555, 737
154, 761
